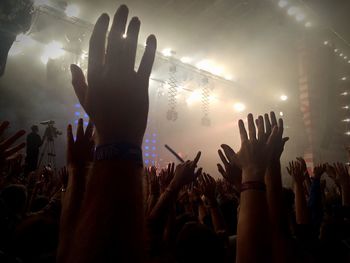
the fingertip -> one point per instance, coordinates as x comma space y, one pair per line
151, 42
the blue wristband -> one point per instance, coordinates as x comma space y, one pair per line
119, 151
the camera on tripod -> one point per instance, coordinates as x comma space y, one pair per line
51, 131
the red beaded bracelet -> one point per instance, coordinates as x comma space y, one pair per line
253, 185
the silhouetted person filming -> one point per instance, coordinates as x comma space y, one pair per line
33, 144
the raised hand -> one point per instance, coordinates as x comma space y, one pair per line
256, 152
208, 187
185, 174
232, 171
5, 145
296, 171
116, 96
166, 175
80, 152
271, 122
154, 181
342, 173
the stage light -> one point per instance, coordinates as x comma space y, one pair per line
344, 93
282, 3
52, 50
345, 107
336, 50
345, 57
284, 97
349, 61
346, 120
341, 54
229, 77
281, 113
308, 24
239, 107
344, 78
292, 10
347, 133
300, 17
167, 52
125, 35
210, 66
326, 42
194, 97
72, 10
186, 60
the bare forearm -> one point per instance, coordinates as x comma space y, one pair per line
300, 205
112, 215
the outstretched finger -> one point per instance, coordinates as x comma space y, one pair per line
115, 45
273, 119
147, 60
14, 149
223, 158
251, 127
131, 43
80, 130
97, 48
261, 129
79, 83
89, 131
267, 124
230, 153
196, 159
8, 142
242, 131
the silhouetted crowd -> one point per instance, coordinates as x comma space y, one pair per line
105, 206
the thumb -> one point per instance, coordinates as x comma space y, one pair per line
79, 83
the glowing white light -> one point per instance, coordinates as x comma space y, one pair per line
194, 97
349, 61
186, 60
346, 120
239, 107
336, 50
284, 97
345, 107
345, 57
344, 78
213, 99
124, 35
72, 11
210, 66
282, 3
292, 11
52, 50
344, 93
341, 54
281, 113
300, 17
167, 52
308, 24
230, 77
326, 42
347, 133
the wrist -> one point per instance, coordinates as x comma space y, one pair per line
253, 175
104, 139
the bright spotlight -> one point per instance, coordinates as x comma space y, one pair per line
125, 35
345, 107
186, 60
346, 120
72, 11
347, 133
300, 17
210, 66
308, 24
292, 10
341, 54
52, 50
281, 113
325, 43
282, 3
284, 97
230, 77
344, 93
167, 52
336, 50
344, 78
194, 97
239, 107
